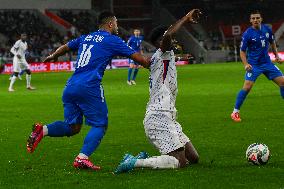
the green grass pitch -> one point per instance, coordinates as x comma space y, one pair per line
206, 97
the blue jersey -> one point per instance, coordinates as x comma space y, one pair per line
256, 44
95, 50
135, 42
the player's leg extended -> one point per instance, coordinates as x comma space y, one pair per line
28, 78
131, 65
16, 70
240, 99
130, 162
275, 74
12, 81
136, 68
71, 125
280, 82
94, 109
72, 114
92, 140
95, 112
55, 129
243, 94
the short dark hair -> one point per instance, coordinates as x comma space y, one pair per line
255, 12
157, 33
104, 17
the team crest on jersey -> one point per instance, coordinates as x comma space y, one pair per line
249, 74
267, 35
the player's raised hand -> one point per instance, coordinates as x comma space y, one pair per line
50, 58
194, 15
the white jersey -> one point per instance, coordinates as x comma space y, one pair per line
163, 82
19, 48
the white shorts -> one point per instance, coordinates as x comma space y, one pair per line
163, 131
19, 65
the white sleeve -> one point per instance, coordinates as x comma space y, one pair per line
15, 48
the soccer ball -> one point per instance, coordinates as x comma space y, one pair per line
257, 154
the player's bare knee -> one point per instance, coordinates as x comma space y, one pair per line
179, 154
194, 159
247, 88
28, 72
76, 129
281, 83
183, 163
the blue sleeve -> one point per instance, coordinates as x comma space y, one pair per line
74, 44
271, 36
129, 42
244, 43
120, 48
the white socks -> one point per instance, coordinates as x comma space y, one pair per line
28, 78
44, 130
13, 79
158, 162
82, 156
236, 110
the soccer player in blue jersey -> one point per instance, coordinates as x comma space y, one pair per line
255, 58
134, 42
83, 95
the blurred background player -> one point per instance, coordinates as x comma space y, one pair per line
20, 63
255, 58
19, 75
160, 124
84, 94
134, 42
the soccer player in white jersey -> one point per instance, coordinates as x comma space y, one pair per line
160, 124
19, 62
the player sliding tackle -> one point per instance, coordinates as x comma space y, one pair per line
83, 94
160, 123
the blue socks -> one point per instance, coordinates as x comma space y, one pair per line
92, 140
59, 129
129, 73
282, 91
241, 98
135, 74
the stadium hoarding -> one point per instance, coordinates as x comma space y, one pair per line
44, 67
68, 66
272, 57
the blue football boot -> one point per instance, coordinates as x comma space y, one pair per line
126, 165
142, 155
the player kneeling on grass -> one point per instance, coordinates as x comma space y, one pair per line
83, 95
160, 123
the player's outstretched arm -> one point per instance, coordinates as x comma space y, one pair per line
59, 52
192, 17
142, 60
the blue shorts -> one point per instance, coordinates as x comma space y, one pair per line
79, 101
133, 62
270, 70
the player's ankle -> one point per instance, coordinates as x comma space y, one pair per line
82, 156
45, 130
